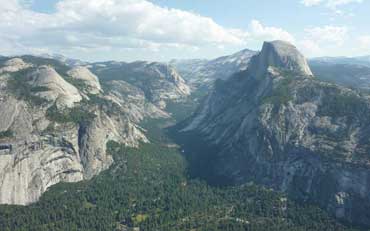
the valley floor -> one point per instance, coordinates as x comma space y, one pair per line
149, 188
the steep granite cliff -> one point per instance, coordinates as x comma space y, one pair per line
55, 125
276, 125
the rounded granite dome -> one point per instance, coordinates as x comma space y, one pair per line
280, 54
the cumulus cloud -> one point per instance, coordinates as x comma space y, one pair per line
323, 40
144, 20
260, 32
333, 4
119, 23
335, 35
119, 26
310, 48
137, 29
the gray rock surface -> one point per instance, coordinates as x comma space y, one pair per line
91, 80
59, 90
283, 128
14, 65
38, 151
279, 54
199, 72
132, 101
159, 82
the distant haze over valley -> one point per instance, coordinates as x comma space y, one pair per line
157, 115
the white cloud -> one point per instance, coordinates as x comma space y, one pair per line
139, 29
335, 3
332, 4
310, 48
120, 25
260, 32
334, 35
110, 23
325, 40
143, 20
364, 42
311, 2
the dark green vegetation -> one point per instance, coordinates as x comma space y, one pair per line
107, 106
60, 67
6, 134
349, 75
18, 86
182, 110
349, 105
281, 94
155, 188
39, 89
78, 83
78, 114
150, 188
130, 74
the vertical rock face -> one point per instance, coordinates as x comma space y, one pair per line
279, 54
50, 134
274, 124
33, 161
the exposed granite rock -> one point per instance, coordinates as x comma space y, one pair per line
94, 136
159, 82
14, 65
282, 128
58, 89
199, 73
34, 161
38, 152
279, 54
91, 80
132, 101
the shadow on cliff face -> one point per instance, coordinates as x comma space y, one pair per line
303, 179
201, 156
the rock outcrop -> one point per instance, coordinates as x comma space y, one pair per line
279, 54
159, 82
85, 75
50, 133
350, 74
198, 72
276, 125
13, 65
132, 101
56, 88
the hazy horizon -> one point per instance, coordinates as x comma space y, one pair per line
161, 30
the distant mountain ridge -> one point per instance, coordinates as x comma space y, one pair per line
199, 72
64, 59
277, 125
57, 118
159, 82
360, 60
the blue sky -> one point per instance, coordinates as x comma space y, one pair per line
165, 29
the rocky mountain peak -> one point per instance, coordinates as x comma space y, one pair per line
85, 75
58, 89
14, 65
284, 132
282, 55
